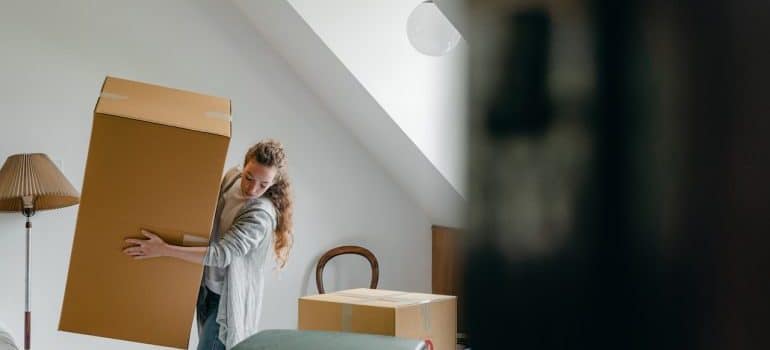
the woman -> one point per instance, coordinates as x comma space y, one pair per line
254, 210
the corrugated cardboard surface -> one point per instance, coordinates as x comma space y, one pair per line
384, 312
143, 174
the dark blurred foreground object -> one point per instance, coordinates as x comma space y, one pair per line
620, 175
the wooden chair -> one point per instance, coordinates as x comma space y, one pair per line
347, 249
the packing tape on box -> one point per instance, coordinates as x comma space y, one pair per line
216, 115
347, 309
392, 298
219, 115
190, 240
112, 96
425, 313
347, 318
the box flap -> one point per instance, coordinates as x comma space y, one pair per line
378, 298
165, 106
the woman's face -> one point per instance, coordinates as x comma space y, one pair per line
256, 178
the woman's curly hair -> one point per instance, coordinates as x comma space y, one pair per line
270, 153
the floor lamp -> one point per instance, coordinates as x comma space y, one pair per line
31, 183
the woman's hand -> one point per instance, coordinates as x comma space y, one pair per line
152, 247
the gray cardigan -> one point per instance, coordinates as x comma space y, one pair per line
243, 251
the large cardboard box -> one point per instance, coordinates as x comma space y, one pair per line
155, 161
383, 312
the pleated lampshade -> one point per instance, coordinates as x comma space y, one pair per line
37, 176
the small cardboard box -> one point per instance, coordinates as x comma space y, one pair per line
155, 161
383, 312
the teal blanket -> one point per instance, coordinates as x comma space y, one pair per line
313, 340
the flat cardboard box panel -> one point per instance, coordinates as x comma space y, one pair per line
141, 174
383, 312
429, 322
330, 316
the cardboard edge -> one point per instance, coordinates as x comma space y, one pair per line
228, 134
77, 214
164, 87
230, 103
172, 125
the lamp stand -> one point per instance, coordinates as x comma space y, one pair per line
28, 212
31, 182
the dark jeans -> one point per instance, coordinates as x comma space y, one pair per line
208, 328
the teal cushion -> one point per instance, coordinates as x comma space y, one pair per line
313, 340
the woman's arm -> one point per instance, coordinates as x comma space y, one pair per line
191, 254
154, 247
245, 234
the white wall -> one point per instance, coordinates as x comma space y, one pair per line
53, 58
321, 70
424, 95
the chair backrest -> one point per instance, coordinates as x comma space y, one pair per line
347, 249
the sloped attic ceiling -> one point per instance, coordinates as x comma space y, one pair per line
349, 100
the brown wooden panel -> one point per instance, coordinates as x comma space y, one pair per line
447, 265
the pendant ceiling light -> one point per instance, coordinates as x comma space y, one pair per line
429, 31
